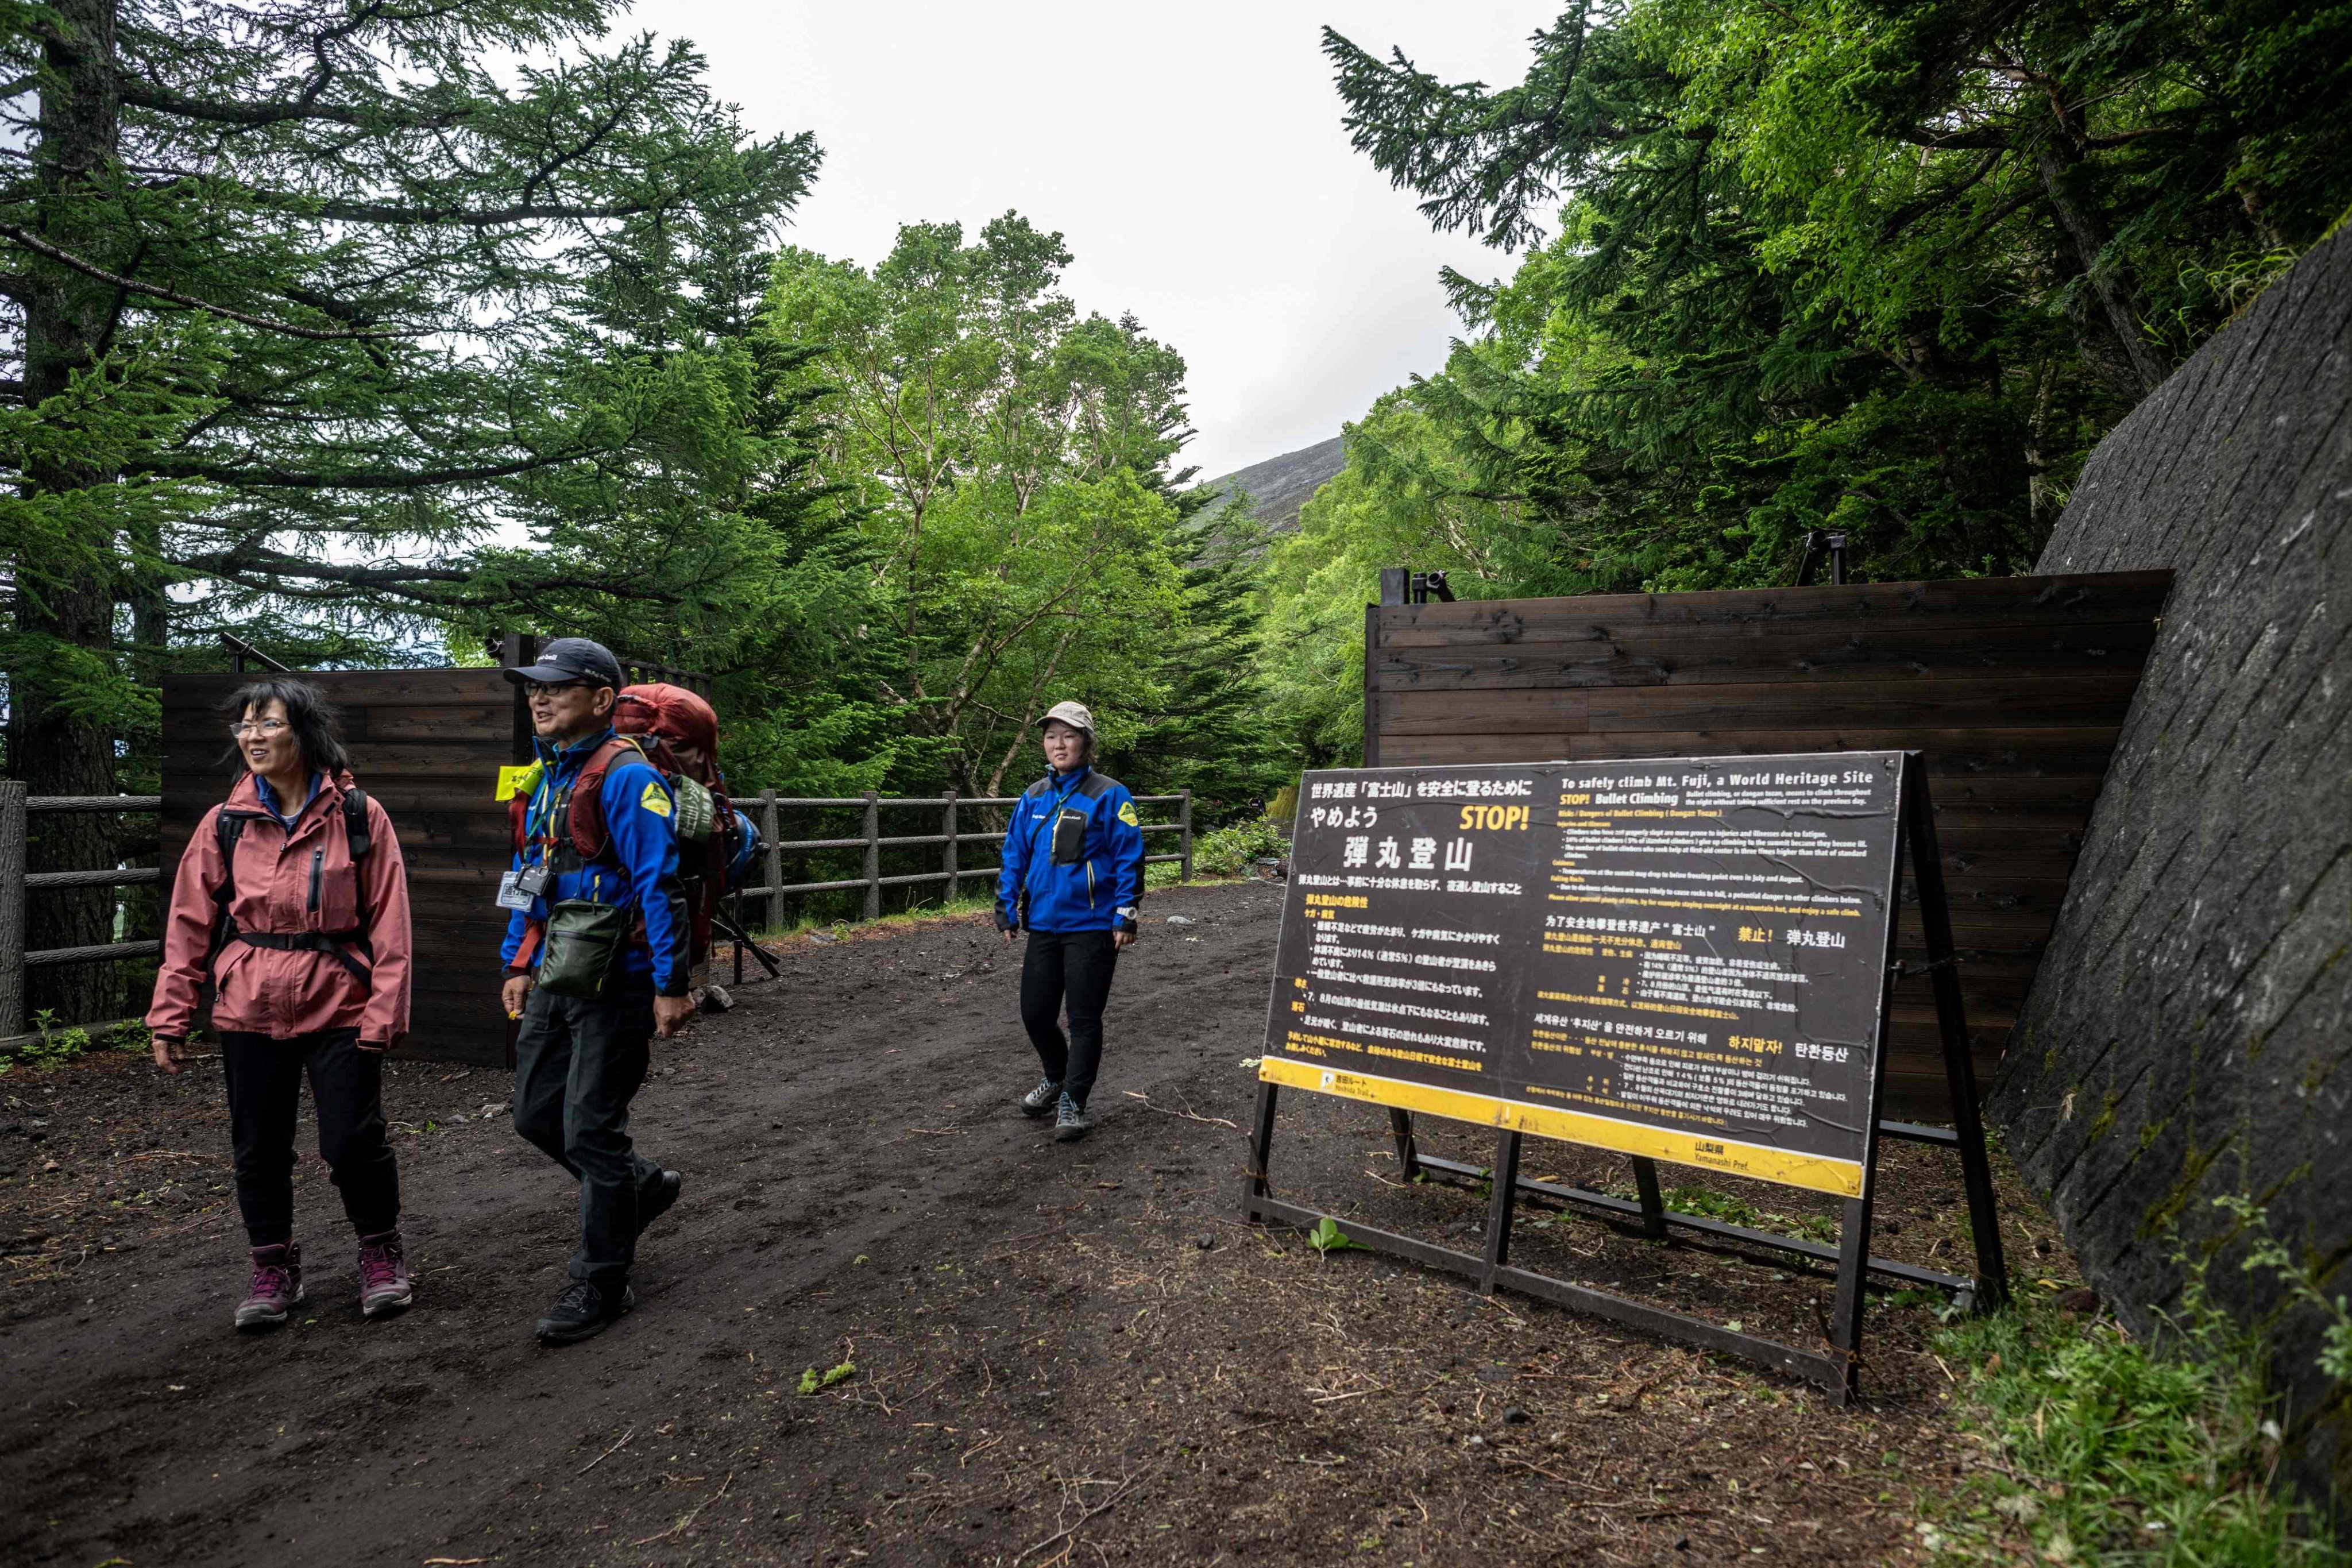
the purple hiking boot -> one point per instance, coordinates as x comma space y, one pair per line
277, 1287
384, 1275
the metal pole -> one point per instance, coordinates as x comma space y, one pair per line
872, 855
775, 860
12, 906
1185, 836
948, 861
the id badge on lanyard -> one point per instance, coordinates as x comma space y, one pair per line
518, 888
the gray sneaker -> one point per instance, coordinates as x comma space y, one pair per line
1070, 1122
1039, 1101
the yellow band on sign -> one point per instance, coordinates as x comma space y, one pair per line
1840, 1178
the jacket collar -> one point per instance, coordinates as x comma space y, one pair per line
571, 758
1058, 780
245, 798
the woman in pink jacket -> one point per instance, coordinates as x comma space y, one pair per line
293, 901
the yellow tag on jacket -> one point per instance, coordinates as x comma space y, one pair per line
656, 799
1127, 813
517, 780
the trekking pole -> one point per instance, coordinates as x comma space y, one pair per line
729, 928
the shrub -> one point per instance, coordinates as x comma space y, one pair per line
1229, 851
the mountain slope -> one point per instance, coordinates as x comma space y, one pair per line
1278, 487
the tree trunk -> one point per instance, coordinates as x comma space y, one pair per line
2088, 230
69, 615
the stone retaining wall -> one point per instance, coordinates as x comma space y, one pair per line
2190, 1033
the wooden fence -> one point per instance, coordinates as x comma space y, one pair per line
951, 840
16, 809
456, 847
2013, 687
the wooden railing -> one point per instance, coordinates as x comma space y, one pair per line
16, 808
951, 838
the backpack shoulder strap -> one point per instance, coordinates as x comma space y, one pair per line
357, 835
229, 826
1098, 784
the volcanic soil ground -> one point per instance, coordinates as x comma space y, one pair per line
1063, 1354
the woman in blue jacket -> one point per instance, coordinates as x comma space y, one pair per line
1073, 876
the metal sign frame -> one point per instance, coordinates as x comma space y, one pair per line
1834, 1367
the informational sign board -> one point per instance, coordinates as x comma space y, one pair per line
1682, 960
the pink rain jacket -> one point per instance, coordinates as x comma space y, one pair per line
288, 882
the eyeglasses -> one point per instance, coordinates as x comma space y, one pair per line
550, 688
265, 728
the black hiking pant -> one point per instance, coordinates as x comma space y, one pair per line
577, 1066
1072, 967
265, 1089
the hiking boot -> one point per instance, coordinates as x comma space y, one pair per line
658, 1203
582, 1312
277, 1287
1070, 1122
383, 1275
1039, 1101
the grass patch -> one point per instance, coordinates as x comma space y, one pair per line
2101, 1447
1708, 1203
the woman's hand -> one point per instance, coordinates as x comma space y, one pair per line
168, 1052
1121, 940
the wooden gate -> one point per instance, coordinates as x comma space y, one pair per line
2014, 689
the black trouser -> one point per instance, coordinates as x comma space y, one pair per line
577, 1066
264, 1085
1073, 966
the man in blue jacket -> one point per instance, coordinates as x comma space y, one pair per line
597, 961
1073, 875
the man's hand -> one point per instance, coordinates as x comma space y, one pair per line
1121, 940
1008, 936
670, 1014
168, 1052
516, 993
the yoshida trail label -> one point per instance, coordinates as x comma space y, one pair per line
1683, 959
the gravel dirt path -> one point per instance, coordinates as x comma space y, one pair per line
1063, 1354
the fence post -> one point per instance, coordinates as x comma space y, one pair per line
1184, 837
947, 862
12, 906
775, 860
872, 855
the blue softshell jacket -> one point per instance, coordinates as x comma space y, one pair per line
1095, 880
642, 855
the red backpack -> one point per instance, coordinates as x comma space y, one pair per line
676, 732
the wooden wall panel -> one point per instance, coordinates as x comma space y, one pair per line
428, 744
2014, 689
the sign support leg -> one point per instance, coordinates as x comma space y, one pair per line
1845, 1310
1499, 1211
1960, 1069
1408, 1153
1653, 1207
1254, 1184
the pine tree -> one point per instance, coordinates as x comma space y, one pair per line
296, 300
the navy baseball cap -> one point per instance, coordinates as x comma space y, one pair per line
573, 658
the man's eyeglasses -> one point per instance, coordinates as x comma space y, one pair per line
265, 728
550, 688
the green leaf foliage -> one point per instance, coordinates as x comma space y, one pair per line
1889, 269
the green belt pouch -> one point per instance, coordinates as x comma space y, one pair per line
583, 938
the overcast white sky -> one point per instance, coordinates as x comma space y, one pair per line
1191, 156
